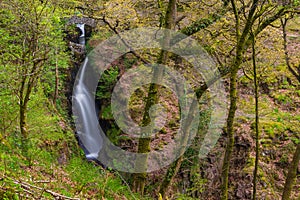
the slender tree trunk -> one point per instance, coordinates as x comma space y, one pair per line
285, 44
22, 109
242, 43
231, 115
55, 95
174, 168
292, 173
171, 173
139, 179
233, 106
27, 83
230, 134
256, 118
23, 124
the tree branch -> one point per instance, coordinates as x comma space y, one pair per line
124, 42
27, 187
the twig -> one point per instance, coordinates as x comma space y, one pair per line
246, 75
28, 192
179, 19
54, 194
125, 43
42, 192
42, 181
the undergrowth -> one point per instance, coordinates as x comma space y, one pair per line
53, 166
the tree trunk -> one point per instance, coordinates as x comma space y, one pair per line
23, 127
171, 173
27, 83
230, 134
256, 119
241, 39
23, 124
22, 109
290, 179
55, 95
139, 179
285, 46
174, 167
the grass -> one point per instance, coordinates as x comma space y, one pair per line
36, 173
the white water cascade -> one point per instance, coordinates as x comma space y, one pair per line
87, 125
82, 36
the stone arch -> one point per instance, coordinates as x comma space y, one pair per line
82, 20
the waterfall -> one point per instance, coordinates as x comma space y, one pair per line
82, 36
87, 125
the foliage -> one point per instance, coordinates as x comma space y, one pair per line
106, 83
33, 50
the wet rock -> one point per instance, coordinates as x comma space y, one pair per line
78, 51
73, 34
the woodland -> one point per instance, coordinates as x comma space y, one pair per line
254, 46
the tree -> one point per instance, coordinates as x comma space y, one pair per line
152, 99
250, 15
28, 28
255, 77
256, 19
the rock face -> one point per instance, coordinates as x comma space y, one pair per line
78, 51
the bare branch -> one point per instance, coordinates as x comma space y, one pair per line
54, 194
124, 42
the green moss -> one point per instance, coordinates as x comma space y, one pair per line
266, 142
249, 165
283, 98
273, 128
242, 119
173, 123
284, 160
163, 130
